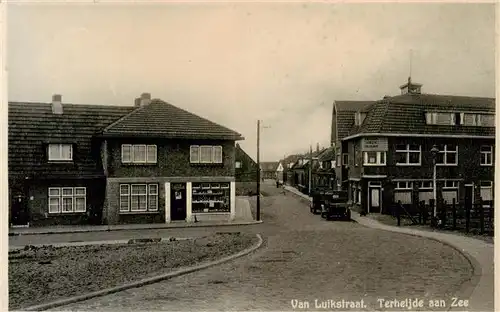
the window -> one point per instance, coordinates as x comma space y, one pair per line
448, 155
374, 158
408, 154
436, 118
450, 184
486, 120
67, 199
405, 185
359, 118
205, 154
139, 154
211, 197
238, 164
60, 152
426, 185
345, 159
486, 189
339, 163
138, 197
486, 155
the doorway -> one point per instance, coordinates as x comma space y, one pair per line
469, 195
178, 201
19, 210
374, 202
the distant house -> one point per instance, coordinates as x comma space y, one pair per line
288, 162
324, 173
268, 169
279, 172
245, 173
96, 164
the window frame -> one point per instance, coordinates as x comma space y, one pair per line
454, 185
60, 146
61, 199
409, 151
408, 186
126, 194
195, 150
486, 153
132, 152
378, 158
430, 187
445, 152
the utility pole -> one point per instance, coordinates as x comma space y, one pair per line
258, 170
310, 167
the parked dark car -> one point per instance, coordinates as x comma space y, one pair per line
336, 207
319, 196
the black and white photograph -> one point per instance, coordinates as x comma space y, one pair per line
249, 155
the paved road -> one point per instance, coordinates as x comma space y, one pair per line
303, 258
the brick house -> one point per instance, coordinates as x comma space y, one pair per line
95, 164
387, 152
245, 173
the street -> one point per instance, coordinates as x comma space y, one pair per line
304, 258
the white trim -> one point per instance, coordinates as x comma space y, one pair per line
408, 186
445, 152
232, 200
60, 146
378, 158
374, 176
408, 151
419, 135
60, 199
152, 194
490, 152
189, 202
354, 179
167, 202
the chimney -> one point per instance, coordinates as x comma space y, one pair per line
137, 102
317, 147
145, 99
57, 108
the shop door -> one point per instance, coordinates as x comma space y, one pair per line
178, 201
19, 210
374, 203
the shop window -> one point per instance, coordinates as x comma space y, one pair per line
210, 197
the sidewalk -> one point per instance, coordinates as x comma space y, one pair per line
243, 216
479, 290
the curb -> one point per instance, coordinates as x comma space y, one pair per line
134, 229
468, 286
144, 282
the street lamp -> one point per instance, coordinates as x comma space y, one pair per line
434, 152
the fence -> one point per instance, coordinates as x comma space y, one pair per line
477, 217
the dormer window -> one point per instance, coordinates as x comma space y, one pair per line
60, 152
460, 119
359, 118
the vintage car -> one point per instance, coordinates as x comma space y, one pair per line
336, 207
319, 195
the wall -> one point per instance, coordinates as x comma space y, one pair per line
172, 159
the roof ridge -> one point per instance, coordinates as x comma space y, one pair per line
160, 101
123, 118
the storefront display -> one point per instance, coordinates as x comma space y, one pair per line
210, 197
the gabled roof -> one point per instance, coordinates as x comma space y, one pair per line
346, 111
33, 125
327, 154
405, 114
161, 119
242, 152
269, 165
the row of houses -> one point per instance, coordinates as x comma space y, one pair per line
387, 150
150, 162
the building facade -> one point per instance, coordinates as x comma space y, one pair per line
388, 156
94, 164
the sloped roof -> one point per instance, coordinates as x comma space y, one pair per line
33, 125
346, 111
327, 154
269, 165
242, 152
162, 119
405, 114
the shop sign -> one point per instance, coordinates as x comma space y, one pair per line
374, 144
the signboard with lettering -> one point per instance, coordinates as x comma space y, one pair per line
374, 144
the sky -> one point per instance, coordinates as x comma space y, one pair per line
282, 63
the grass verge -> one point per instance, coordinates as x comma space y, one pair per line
45, 274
